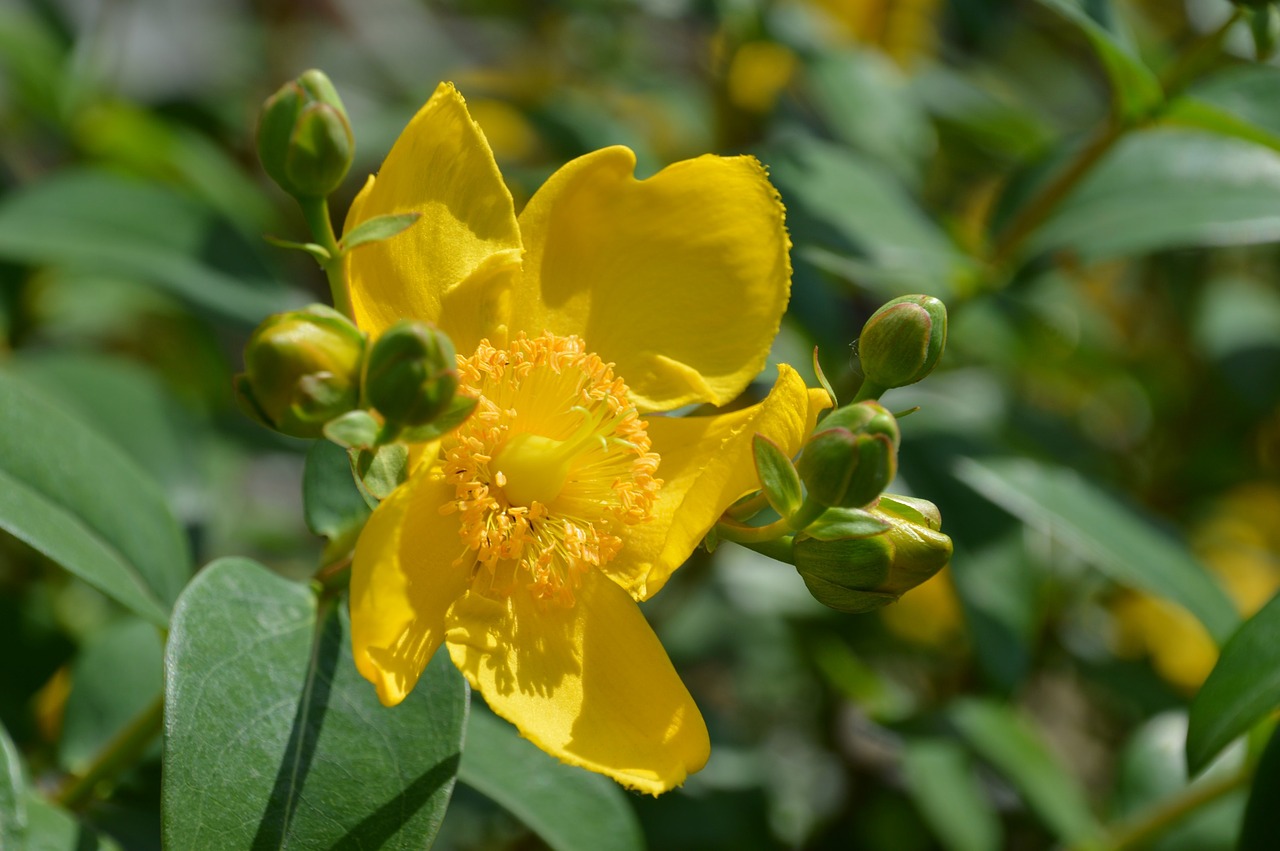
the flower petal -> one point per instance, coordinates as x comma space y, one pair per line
706, 465
402, 583
441, 167
680, 280
588, 683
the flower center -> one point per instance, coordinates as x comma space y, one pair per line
554, 459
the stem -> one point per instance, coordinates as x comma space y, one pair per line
1033, 214
316, 212
121, 752
779, 549
748, 508
868, 390
1163, 816
743, 534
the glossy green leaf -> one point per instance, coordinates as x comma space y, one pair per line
1242, 689
110, 223
331, 502
13, 803
1247, 92
568, 808
377, 229
117, 675
777, 475
1006, 740
273, 739
75, 497
1105, 531
1135, 88
940, 779
1169, 188
1261, 816
54, 829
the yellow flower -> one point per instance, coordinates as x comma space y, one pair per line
523, 541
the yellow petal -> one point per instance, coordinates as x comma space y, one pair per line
587, 683
441, 167
402, 583
680, 280
707, 465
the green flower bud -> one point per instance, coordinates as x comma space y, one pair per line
853, 458
412, 373
865, 573
903, 340
304, 138
302, 369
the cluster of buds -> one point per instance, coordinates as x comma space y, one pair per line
856, 547
306, 371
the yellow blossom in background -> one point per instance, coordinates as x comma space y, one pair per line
523, 541
903, 29
928, 615
1240, 543
757, 74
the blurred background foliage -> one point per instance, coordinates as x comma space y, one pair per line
1103, 433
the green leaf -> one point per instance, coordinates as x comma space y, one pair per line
832, 192
941, 781
778, 476
117, 675
822, 380
1135, 88
1247, 92
318, 252
1004, 738
568, 808
126, 403
383, 471
353, 430
75, 497
13, 803
1105, 531
1261, 816
868, 103
1241, 690
377, 229
1202, 115
54, 829
88, 219
268, 718
1168, 188
331, 502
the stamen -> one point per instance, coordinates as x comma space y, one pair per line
554, 458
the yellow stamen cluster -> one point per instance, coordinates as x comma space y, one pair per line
553, 459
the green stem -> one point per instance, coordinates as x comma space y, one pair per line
868, 390
748, 508
779, 549
740, 533
120, 753
1165, 815
316, 212
1035, 212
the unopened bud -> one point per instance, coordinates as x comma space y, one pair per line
302, 369
853, 458
864, 573
304, 138
412, 373
903, 340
